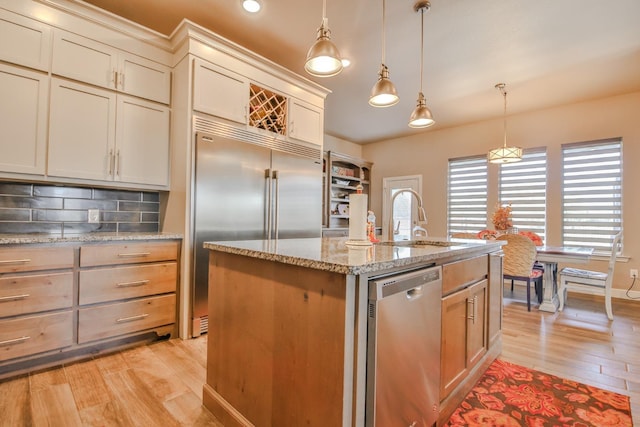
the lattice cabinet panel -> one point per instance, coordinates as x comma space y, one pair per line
267, 110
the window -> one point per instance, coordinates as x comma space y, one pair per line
467, 204
592, 193
524, 185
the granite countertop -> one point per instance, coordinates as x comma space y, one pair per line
332, 254
17, 239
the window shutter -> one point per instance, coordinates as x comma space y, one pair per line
592, 193
467, 203
524, 185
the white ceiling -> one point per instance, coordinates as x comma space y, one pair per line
548, 52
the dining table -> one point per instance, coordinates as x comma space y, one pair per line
550, 256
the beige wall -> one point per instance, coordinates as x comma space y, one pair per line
332, 143
427, 154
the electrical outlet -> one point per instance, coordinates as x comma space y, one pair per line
633, 273
93, 216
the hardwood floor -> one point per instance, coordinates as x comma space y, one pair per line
161, 383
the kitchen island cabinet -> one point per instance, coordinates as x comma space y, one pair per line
288, 326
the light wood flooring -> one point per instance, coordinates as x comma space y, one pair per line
161, 384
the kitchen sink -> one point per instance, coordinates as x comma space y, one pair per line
420, 243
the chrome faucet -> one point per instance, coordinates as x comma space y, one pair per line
418, 230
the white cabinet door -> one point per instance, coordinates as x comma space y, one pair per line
81, 131
85, 60
220, 92
305, 122
142, 144
23, 112
24, 41
144, 78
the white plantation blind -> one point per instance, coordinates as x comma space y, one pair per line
592, 193
467, 203
524, 185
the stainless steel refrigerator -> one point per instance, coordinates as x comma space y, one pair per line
247, 191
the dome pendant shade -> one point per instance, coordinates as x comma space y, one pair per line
323, 58
504, 154
383, 93
421, 116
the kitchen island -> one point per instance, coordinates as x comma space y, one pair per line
288, 327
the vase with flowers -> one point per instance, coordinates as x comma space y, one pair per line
502, 218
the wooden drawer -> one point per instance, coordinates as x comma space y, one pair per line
28, 258
116, 283
128, 253
30, 335
463, 273
110, 320
30, 294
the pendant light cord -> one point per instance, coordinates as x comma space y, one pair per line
383, 30
324, 10
504, 94
421, 46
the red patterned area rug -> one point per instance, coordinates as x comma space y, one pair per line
511, 395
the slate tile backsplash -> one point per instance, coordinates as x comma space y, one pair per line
63, 210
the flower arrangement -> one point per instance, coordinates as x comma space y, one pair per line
535, 238
487, 234
502, 217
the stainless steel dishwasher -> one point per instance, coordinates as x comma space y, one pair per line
403, 349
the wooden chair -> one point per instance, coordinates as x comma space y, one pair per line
575, 278
519, 257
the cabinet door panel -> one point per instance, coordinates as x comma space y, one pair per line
144, 78
305, 122
220, 92
23, 108
82, 129
24, 41
82, 59
453, 367
142, 146
477, 322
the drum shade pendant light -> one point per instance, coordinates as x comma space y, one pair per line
421, 116
504, 154
323, 58
384, 93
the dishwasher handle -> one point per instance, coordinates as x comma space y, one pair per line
415, 293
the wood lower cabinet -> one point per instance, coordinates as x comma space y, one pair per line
67, 300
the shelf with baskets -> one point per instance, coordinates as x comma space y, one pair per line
342, 175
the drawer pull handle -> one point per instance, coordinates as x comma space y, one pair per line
14, 340
134, 254
132, 318
14, 297
15, 261
130, 284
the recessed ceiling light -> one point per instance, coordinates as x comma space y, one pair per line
252, 6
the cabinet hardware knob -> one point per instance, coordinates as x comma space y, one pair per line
130, 284
132, 318
15, 261
13, 297
14, 340
134, 254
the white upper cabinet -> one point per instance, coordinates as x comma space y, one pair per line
24, 41
220, 92
142, 142
305, 122
81, 131
96, 134
23, 109
88, 61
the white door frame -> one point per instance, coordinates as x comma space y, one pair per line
392, 183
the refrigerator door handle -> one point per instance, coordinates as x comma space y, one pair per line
276, 216
267, 205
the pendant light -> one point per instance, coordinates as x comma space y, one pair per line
323, 58
384, 93
421, 116
504, 154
